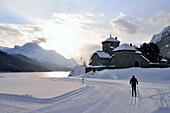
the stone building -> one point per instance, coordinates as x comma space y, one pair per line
127, 56
122, 56
100, 58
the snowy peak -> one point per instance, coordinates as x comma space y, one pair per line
34, 51
31, 45
25, 49
28, 46
17, 47
162, 39
157, 37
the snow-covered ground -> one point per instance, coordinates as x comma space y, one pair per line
151, 75
69, 95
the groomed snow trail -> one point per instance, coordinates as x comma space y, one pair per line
95, 96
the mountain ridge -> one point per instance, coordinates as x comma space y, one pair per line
19, 63
162, 39
34, 51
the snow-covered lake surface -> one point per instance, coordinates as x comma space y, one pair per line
107, 91
57, 74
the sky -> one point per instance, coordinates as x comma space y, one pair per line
76, 28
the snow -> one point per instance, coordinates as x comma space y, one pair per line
96, 66
138, 52
157, 37
77, 70
166, 45
105, 95
125, 47
102, 54
150, 75
163, 60
34, 51
26, 84
111, 47
111, 39
145, 58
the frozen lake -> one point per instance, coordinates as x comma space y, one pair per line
42, 92
56, 74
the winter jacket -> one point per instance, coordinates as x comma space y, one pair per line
133, 81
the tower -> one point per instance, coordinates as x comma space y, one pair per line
109, 44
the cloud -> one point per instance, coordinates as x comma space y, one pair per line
121, 15
67, 18
73, 30
92, 28
90, 14
85, 51
34, 28
1, 41
123, 27
140, 19
19, 34
40, 40
161, 17
10, 30
102, 15
22, 31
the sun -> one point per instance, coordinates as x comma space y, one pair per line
63, 37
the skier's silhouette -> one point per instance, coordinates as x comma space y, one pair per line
133, 82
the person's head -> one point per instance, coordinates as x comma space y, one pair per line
133, 76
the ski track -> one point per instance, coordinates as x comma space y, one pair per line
95, 97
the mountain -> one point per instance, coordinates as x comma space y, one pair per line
72, 62
19, 63
162, 39
34, 51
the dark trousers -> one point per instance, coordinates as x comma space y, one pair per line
134, 90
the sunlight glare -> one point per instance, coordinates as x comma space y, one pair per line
64, 37
57, 74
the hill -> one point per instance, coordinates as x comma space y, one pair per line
19, 63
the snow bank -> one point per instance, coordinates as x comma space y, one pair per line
77, 70
152, 75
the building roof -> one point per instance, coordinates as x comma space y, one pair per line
111, 39
102, 54
138, 52
124, 47
145, 58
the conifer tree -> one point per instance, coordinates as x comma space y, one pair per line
151, 52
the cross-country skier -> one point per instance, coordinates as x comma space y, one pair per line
133, 82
